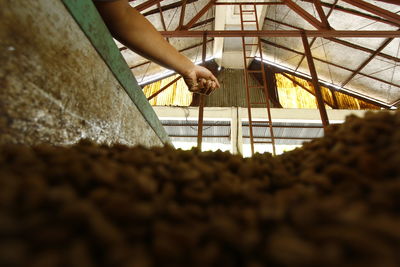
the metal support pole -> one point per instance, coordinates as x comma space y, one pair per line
314, 76
202, 99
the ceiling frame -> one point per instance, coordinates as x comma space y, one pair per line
393, 17
342, 42
322, 25
368, 60
304, 14
356, 13
329, 63
284, 33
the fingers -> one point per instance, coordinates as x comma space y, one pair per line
201, 81
205, 86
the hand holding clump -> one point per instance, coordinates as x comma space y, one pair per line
200, 80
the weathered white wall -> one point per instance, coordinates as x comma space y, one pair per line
54, 87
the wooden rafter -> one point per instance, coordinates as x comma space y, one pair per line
182, 16
304, 14
315, 81
283, 33
199, 14
375, 10
167, 7
303, 87
342, 42
182, 50
161, 16
194, 26
368, 60
394, 2
165, 87
321, 14
329, 63
202, 98
356, 13
146, 5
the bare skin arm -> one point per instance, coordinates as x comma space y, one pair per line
129, 27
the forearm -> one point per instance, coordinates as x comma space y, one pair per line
137, 33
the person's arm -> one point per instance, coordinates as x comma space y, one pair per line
133, 30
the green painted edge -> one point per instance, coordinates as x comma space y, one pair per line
85, 14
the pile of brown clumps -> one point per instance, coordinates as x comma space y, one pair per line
334, 202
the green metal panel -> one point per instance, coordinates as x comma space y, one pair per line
85, 14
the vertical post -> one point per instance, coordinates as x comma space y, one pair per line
236, 131
202, 100
313, 72
335, 101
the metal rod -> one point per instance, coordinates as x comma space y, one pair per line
182, 16
342, 42
355, 12
247, 3
304, 14
163, 88
200, 122
302, 86
368, 60
314, 76
375, 10
321, 14
167, 7
202, 99
146, 5
182, 50
199, 14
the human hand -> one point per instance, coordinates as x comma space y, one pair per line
200, 80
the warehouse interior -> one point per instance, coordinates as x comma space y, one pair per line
354, 72
106, 159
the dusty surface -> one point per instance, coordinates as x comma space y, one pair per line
335, 202
55, 88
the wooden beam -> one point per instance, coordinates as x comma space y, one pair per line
321, 14
203, 22
283, 33
368, 60
304, 14
199, 14
248, 3
146, 5
182, 50
315, 81
356, 13
302, 86
202, 99
167, 7
182, 16
393, 2
375, 10
342, 42
164, 88
162, 19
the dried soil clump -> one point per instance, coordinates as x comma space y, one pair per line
334, 202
